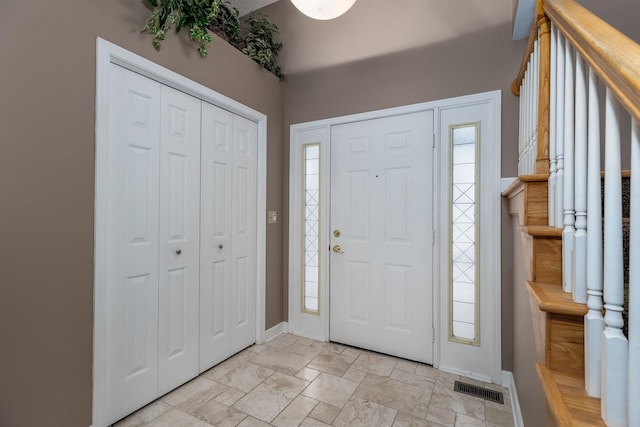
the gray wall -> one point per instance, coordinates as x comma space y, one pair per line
47, 119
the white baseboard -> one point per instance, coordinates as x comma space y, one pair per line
509, 382
273, 332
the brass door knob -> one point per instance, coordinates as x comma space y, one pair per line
337, 249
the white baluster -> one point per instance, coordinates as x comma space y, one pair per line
521, 128
560, 133
580, 238
593, 320
552, 131
615, 354
535, 102
528, 133
568, 200
634, 279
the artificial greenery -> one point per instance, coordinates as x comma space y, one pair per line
260, 45
201, 16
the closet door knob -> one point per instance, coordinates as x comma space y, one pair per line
178, 251
220, 246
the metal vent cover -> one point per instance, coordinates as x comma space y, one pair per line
474, 390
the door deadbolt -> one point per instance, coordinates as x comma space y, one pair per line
336, 233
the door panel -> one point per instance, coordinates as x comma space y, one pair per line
179, 238
215, 244
381, 193
132, 246
243, 226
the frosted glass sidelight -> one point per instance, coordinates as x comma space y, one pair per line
311, 231
463, 287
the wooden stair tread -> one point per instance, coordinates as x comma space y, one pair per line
541, 231
552, 299
568, 400
541, 177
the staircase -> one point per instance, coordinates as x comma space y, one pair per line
576, 237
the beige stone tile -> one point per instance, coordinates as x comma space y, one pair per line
283, 360
354, 374
201, 424
304, 341
406, 365
229, 396
332, 363
409, 377
194, 394
442, 416
330, 389
362, 413
310, 422
375, 363
295, 413
335, 347
130, 421
351, 352
253, 422
458, 402
243, 377
219, 415
308, 374
270, 397
152, 411
325, 412
394, 394
283, 341
466, 421
498, 417
406, 420
436, 375
174, 418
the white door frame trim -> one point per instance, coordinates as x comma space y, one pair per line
319, 131
109, 53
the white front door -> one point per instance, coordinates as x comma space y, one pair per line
381, 235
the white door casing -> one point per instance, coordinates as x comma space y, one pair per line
131, 240
381, 192
179, 238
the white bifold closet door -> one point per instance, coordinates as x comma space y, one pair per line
228, 235
181, 239
153, 240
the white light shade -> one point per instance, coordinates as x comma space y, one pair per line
323, 9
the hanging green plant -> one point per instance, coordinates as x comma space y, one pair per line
260, 44
202, 16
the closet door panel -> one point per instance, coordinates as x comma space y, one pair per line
243, 299
179, 238
216, 240
132, 242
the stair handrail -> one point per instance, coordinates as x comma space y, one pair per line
613, 56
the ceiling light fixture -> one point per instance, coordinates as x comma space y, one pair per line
323, 9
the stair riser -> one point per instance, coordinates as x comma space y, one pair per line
547, 260
536, 208
565, 344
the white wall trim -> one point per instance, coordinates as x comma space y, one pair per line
494, 99
275, 331
509, 382
108, 53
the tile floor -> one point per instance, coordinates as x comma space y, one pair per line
294, 381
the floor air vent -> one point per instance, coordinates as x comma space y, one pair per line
474, 390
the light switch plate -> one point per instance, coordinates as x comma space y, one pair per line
272, 217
